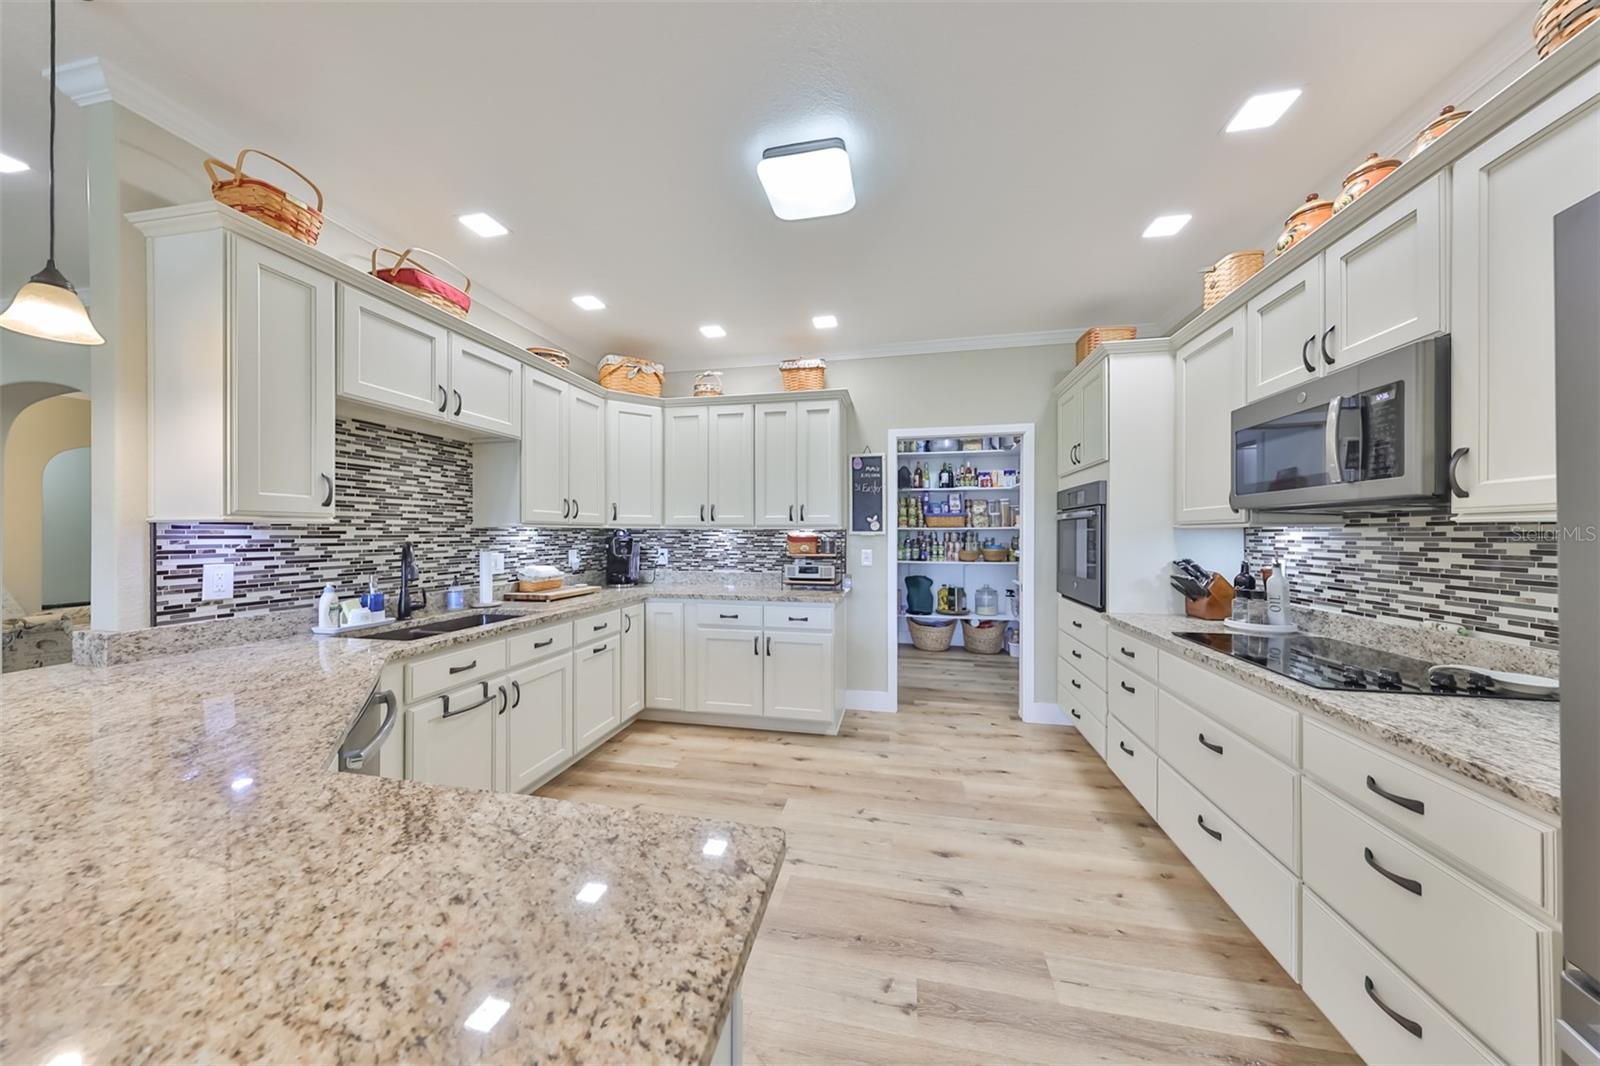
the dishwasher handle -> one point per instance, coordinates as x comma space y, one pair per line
356, 758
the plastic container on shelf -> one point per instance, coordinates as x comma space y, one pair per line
986, 601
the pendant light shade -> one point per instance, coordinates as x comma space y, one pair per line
48, 306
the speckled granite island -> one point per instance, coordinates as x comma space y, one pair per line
185, 878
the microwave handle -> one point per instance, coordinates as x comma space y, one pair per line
1331, 442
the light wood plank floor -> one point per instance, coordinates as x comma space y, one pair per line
964, 887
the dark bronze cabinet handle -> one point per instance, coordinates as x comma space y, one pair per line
769, 647
1414, 1028
702, 512
802, 512
1204, 743
327, 501
566, 508
613, 512
601, 626
576, 510
713, 512
1076, 654
1076, 624
1126, 687
1126, 652
727, 617
458, 402
543, 643
802, 618
505, 700
1074, 712
1074, 683
1455, 482
1214, 834
627, 623
516, 688
598, 649
1326, 358
756, 647
1305, 354
473, 665
444, 399
1124, 746
1414, 806
1410, 885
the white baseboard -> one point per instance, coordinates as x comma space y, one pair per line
1046, 714
862, 699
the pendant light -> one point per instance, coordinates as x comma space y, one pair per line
48, 306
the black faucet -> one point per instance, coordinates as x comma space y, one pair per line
404, 608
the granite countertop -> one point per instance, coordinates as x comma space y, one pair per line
1513, 746
185, 877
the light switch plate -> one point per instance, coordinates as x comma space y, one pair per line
866, 556
572, 558
662, 556
216, 581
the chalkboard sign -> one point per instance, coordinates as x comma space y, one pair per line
866, 494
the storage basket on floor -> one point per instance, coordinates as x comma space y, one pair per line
983, 638
803, 375
1097, 336
929, 637
264, 201
422, 283
622, 373
1231, 271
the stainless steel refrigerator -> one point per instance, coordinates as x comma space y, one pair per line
1577, 341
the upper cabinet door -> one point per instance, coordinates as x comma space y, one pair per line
483, 388
731, 471
1282, 326
1094, 414
1069, 430
1383, 284
586, 448
777, 492
391, 357
1506, 193
1210, 386
544, 450
687, 489
633, 464
820, 468
281, 386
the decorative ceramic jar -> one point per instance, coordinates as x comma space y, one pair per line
1448, 117
1361, 180
1306, 218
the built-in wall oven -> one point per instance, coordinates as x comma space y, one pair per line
1081, 544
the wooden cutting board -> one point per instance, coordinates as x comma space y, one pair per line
551, 595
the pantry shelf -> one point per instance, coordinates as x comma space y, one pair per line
967, 488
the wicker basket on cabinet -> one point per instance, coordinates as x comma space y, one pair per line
263, 201
1231, 271
803, 375
623, 373
555, 357
1097, 336
422, 283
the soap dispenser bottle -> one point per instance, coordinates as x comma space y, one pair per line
328, 608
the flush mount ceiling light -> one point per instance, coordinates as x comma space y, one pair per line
483, 225
8, 165
807, 180
48, 306
1166, 225
824, 321
713, 332
589, 303
1262, 110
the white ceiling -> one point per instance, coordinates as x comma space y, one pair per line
1006, 157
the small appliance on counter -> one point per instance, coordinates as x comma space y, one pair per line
813, 571
622, 558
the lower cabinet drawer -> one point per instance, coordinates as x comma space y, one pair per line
453, 669
1484, 962
1133, 761
1084, 623
797, 616
1264, 895
596, 627
1257, 791
1083, 691
537, 644
1383, 1015
1247, 711
735, 615
1137, 654
1132, 698
1094, 731
1083, 658
1078, 710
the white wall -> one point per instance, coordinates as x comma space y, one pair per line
65, 578
37, 435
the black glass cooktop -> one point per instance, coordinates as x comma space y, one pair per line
1322, 662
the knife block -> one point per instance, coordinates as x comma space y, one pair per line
1218, 604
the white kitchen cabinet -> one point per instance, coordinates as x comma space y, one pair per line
664, 655
544, 450
391, 357
1069, 429
631, 667
1282, 325
1210, 385
687, 482
799, 464
533, 732
1505, 193
1083, 421
586, 468
634, 462
730, 471
596, 707
797, 674
1383, 285
450, 739
484, 392
725, 670
777, 485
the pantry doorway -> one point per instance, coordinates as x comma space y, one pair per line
962, 523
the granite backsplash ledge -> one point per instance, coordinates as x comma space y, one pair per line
1496, 580
398, 485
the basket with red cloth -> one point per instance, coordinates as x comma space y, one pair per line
409, 274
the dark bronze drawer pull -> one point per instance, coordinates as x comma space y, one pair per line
1074, 682
543, 643
1214, 834
1410, 885
1414, 806
1124, 746
1126, 652
1204, 743
1414, 1028
1074, 712
1076, 654
1126, 687
473, 665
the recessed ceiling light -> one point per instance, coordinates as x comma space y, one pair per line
713, 332
487, 1013
1262, 110
824, 321
591, 892
808, 180
9, 165
1166, 225
483, 225
589, 303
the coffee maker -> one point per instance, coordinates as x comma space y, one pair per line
622, 558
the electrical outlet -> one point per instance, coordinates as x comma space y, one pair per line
572, 558
216, 581
866, 556
662, 556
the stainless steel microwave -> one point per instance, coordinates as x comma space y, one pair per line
1374, 436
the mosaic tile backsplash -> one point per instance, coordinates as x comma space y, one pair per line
1498, 580
397, 485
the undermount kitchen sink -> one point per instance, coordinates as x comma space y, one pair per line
439, 628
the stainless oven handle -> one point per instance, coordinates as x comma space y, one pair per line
1331, 442
1086, 512
355, 758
